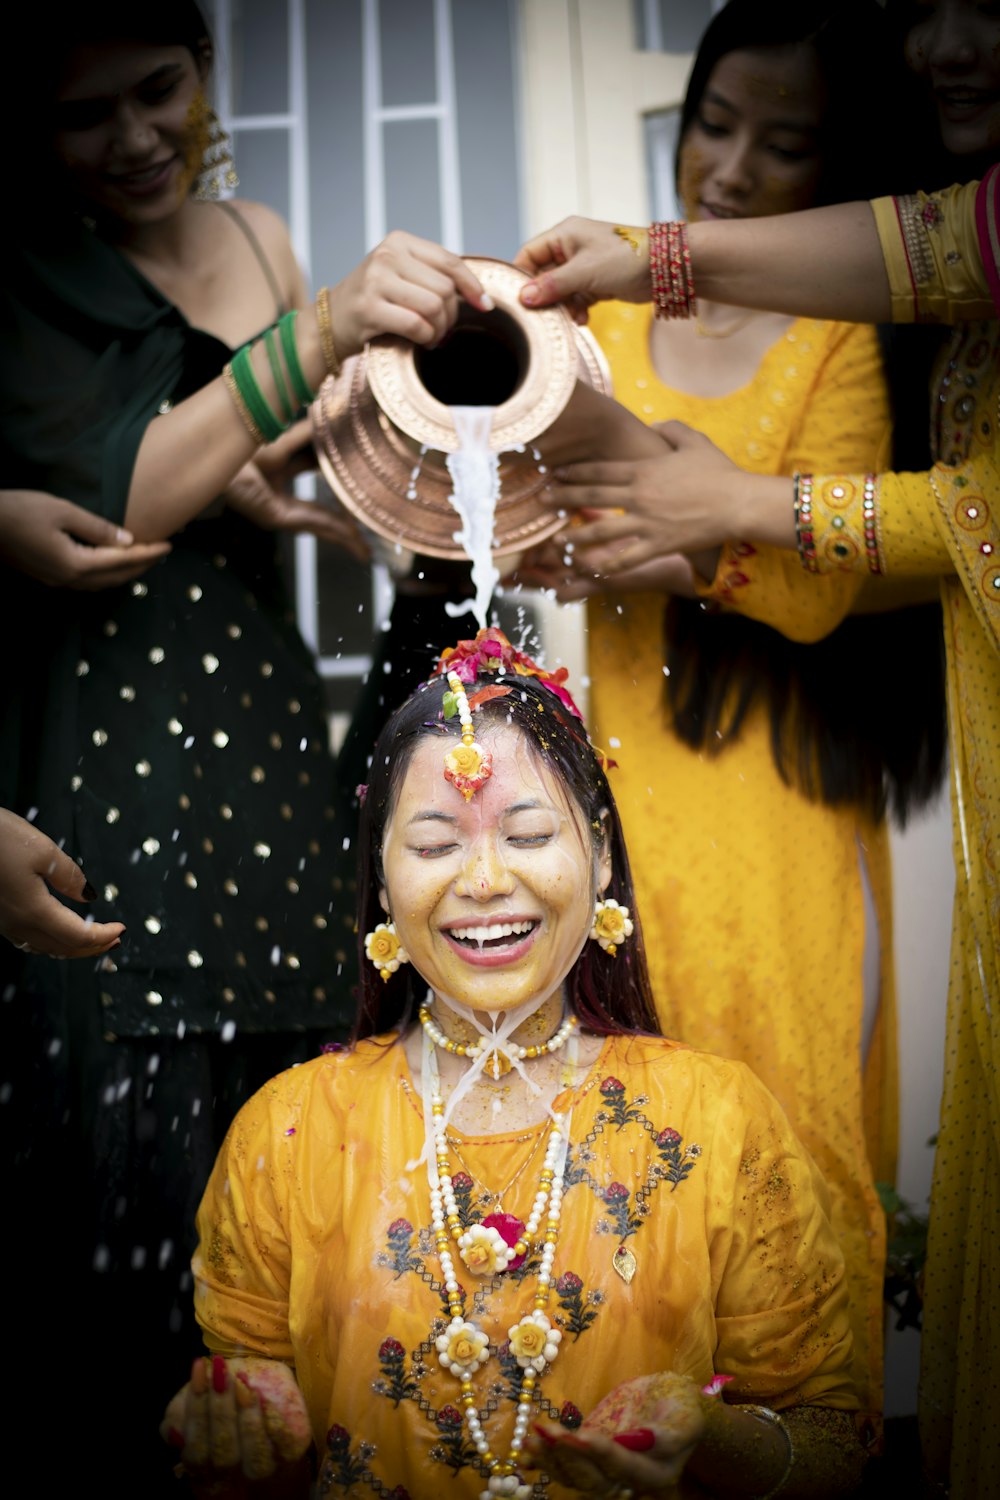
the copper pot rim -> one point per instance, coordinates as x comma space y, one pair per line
550, 334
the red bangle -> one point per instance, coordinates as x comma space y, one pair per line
670, 270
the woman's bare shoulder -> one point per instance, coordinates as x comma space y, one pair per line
275, 240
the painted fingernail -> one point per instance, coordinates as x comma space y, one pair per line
244, 1392
486, 302
199, 1376
175, 1438
639, 1440
545, 1435
89, 894
220, 1374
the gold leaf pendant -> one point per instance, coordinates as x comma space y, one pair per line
624, 1263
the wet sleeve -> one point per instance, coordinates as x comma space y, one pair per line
242, 1266
778, 1272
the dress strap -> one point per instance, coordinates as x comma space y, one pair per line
255, 245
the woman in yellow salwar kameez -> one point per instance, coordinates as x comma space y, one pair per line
513, 1242
933, 258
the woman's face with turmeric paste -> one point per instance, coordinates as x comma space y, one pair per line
754, 145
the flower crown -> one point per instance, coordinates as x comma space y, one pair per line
468, 766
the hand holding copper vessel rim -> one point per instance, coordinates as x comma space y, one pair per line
383, 427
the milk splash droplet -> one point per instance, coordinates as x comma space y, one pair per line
475, 476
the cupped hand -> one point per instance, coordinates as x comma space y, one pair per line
255, 497
30, 916
583, 261
406, 286
64, 546
239, 1423
639, 1438
683, 499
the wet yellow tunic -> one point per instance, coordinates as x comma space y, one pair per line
750, 894
316, 1249
946, 524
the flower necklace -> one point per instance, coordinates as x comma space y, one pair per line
501, 1054
464, 1347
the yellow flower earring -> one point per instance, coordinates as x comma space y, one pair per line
385, 950
612, 925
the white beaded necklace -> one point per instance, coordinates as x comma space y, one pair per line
464, 1347
500, 1055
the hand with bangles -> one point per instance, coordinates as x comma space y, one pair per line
583, 261
242, 1430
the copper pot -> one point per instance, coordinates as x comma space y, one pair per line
382, 428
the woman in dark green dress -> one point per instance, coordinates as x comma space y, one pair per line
168, 730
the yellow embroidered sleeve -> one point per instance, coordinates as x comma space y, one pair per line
932, 256
243, 1264
845, 424
899, 531
781, 1319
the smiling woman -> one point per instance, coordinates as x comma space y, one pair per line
515, 1245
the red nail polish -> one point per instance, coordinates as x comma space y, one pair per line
175, 1438
640, 1440
220, 1375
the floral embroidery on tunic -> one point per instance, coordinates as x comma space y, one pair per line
661, 1158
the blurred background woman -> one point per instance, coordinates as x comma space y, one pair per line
759, 777
919, 257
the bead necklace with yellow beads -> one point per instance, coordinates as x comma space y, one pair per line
499, 1059
463, 1347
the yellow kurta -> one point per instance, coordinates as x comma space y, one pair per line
750, 894
947, 524
316, 1248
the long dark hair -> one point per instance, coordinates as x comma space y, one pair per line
857, 718
607, 995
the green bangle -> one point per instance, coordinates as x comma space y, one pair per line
249, 388
280, 383
286, 327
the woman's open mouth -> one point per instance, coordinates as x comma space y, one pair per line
958, 104
493, 942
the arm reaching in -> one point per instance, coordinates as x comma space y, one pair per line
30, 916
405, 286
822, 263
684, 496
64, 546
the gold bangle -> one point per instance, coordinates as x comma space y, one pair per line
229, 379
774, 1419
326, 339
